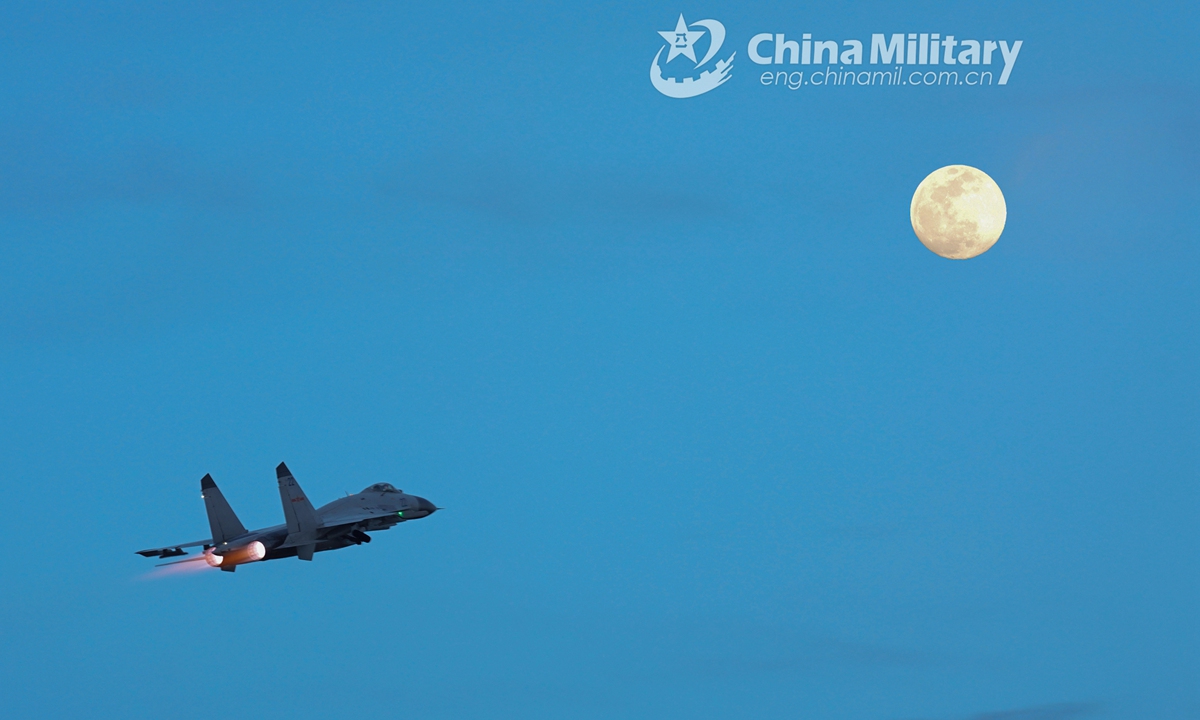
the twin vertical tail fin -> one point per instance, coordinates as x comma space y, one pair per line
222, 520
302, 520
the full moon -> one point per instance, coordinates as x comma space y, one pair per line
958, 212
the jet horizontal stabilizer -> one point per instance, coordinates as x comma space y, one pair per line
163, 552
172, 550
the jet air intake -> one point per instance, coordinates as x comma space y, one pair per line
252, 552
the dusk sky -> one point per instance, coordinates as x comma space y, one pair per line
715, 434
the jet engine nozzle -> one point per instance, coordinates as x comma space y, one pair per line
248, 553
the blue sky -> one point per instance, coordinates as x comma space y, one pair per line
716, 435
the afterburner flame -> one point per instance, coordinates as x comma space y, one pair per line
191, 565
251, 552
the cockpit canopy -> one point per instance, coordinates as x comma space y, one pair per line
382, 488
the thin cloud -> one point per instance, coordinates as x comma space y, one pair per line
517, 193
1053, 711
41, 172
781, 651
1057, 711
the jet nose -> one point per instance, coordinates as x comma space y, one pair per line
427, 506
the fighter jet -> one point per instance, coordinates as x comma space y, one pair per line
339, 524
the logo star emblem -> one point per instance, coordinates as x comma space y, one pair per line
681, 40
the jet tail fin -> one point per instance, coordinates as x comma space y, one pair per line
222, 520
297, 510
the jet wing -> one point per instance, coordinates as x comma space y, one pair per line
347, 516
172, 550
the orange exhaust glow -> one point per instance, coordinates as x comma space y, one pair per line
246, 554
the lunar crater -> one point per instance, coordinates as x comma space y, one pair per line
958, 212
